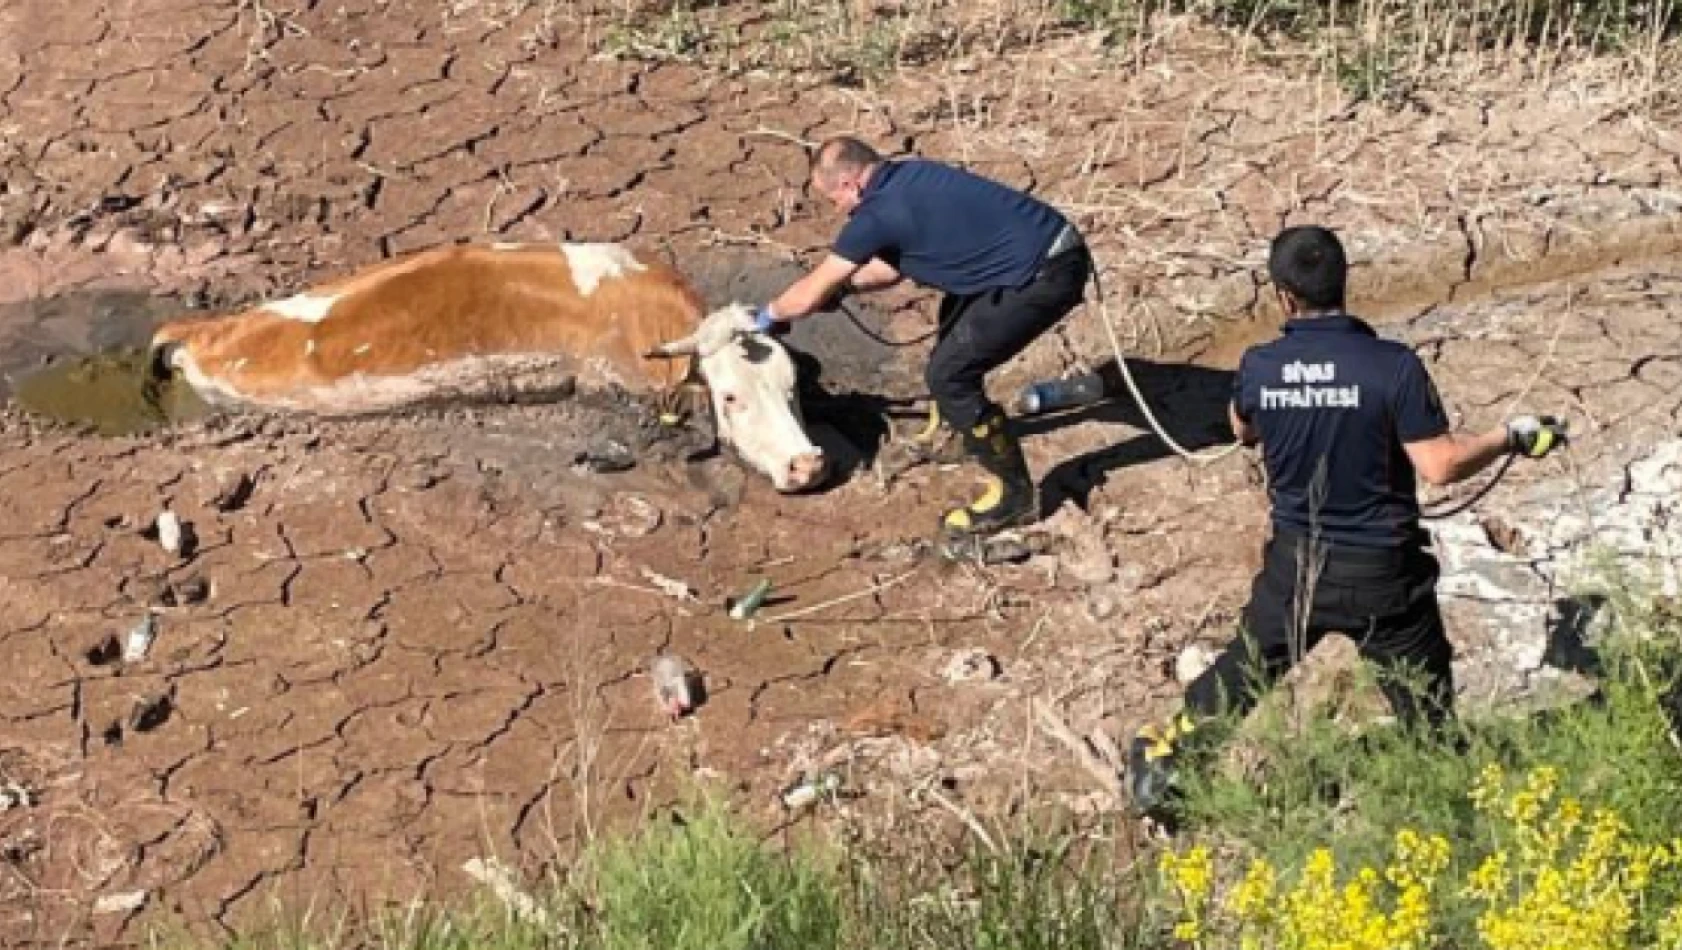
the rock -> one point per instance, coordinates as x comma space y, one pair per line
150, 712
1101, 607
237, 494
1088, 560
971, 665
192, 590
604, 457
126, 902
626, 516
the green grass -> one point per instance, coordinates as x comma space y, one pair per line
1325, 786
703, 882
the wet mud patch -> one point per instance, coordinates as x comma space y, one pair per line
80, 360
845, 349
856, 371
109, 393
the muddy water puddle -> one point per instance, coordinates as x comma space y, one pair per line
110, 393
80, 360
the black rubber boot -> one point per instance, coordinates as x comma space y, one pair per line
1009, 500
936, 443
1151, 772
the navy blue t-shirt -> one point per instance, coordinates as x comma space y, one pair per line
1330, 392
948, 228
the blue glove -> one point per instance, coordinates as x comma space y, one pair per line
763, 320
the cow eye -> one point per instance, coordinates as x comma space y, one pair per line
730, 400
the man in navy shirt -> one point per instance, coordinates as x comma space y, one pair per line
1345, 420
1010, 266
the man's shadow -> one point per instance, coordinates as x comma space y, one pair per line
1189, 402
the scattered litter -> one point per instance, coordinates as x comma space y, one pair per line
972, 665
139, 640
807, 791
670, 586
605, 457
677, 684
126, 902
169, 531
13, 795
748, 604
1192, 661
495, 875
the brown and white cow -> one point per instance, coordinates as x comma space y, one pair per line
468, 321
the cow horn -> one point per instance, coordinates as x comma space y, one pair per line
672, 349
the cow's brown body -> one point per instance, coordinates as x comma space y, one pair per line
453, 321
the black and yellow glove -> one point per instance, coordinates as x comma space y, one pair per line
1535, 436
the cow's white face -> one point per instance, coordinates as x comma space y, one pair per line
751, 380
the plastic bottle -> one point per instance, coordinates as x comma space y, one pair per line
1048, 395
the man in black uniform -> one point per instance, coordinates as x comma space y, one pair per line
1345, 420
1010, 267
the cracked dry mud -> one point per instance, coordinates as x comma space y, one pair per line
423, 639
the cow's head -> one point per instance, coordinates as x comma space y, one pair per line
751, 379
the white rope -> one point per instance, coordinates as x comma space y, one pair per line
1139, 397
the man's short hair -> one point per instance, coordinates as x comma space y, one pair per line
1308, 263
843, 153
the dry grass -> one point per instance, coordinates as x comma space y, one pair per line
1376, 48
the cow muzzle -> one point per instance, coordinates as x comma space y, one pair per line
806, 471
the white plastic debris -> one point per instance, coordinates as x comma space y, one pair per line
676, 684
807, 791
670, 586
139, 639
13, 795
125, 902
169, 531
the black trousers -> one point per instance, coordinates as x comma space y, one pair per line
979, 332
1385, 600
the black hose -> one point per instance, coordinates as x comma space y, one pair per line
1477, 496
884, 341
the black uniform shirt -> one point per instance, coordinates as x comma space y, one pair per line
1333, 404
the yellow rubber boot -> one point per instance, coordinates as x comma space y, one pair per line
1008, 500
1150, 764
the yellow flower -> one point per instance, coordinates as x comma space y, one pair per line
1193, 874
1670, 931
1252, 900
1491, 879
1489, 788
